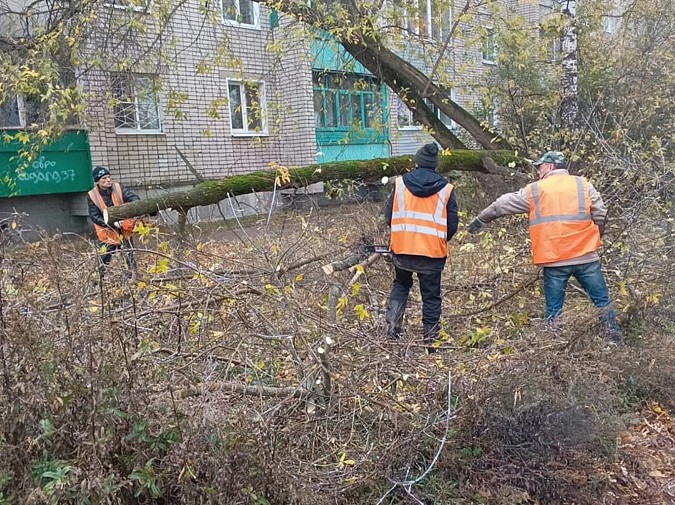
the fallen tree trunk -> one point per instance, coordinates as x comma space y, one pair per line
210, 192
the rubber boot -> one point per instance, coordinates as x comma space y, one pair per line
431, 332
394, 318
611, 325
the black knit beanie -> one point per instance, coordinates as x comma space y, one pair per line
99, 173
427, 156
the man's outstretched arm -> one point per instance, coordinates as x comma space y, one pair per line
506, 205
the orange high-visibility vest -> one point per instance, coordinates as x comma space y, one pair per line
105, 234
561, 226
419, 226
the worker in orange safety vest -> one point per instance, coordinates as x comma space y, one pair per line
111, 236
567, 219
422, 214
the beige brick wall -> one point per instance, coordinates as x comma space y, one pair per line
152, 159
462, 65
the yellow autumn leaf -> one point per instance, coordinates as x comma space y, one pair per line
344, 461
622, 288
161, 267
299, 277
342, 303
361, 312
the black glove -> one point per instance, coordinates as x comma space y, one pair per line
601, 227
476, 226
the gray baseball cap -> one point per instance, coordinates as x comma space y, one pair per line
555, 157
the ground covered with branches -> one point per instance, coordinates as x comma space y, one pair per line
232, 369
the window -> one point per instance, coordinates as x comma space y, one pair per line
553, 45
134, 5
9, 113
425, 18
610, 24
21, 111
488, 112
438, 16
135, 103
241, 13
347, 101
404, 116
247, 108
489, 46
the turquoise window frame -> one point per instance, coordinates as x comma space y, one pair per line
359, 127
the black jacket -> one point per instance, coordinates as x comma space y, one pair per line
424, 182
95, 213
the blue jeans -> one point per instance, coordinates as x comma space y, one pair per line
591, 278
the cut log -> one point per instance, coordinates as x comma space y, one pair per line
210, 192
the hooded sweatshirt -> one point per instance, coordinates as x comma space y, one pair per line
424, 182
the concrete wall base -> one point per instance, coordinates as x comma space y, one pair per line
68, 212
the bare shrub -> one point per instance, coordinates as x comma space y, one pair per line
233, 370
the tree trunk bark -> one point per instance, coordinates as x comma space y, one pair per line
209, 192
569, 106
407, 81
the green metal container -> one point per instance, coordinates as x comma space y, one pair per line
64, 166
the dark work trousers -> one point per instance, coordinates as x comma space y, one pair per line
430, 287
126, 247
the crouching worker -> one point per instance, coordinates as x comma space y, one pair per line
422, 215
567, 219
113, 237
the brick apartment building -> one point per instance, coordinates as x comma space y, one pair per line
222, 111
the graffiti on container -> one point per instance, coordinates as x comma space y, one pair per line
43, 170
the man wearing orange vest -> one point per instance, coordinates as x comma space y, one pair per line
567, 219
422, 214
107, 193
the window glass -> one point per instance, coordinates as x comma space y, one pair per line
253, 107
489, 46
240, 12
369, 110
247, 107
346, 100
345, 110
236, 111
9, 113
136, 105
331, 119
319, 113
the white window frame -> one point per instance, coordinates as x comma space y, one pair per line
245, 131
610, 24
20, 100
233, 22
494, 120
136, 8
424, 8
490, 35
429, 11
411, 126
124, 130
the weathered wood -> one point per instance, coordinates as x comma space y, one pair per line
344, 264
210, 192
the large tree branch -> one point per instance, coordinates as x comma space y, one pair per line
210, 192
411, 84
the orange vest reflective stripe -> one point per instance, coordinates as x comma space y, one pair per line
419, 226
105, 234
561, 226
